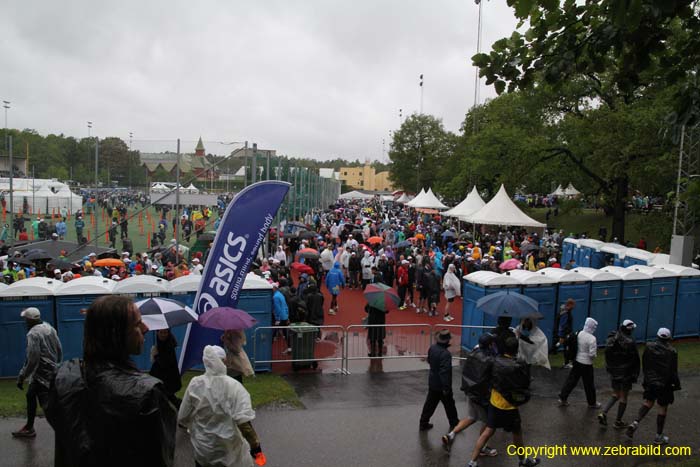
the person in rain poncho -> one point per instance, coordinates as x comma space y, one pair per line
280, 255
217, 411
532, 344
366, 263
452, 288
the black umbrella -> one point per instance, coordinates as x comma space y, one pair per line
61, 264
529, 247
22, 261
307, 234
37, 255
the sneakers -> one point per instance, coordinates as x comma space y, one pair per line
661, 439
487, 451
631, 428
563, 402
402, 307
24, 432
619, 424
425, 427
447, 442
603, 419
472, 464
597, 405
568, 366
288, 351
529, 461
331, 311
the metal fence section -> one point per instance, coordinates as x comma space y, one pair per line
307, 346
386, 341
302, 346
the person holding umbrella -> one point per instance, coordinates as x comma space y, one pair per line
164, 364
379, 299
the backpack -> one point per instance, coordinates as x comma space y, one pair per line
571, 346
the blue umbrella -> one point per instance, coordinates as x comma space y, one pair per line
403, 244
509, 304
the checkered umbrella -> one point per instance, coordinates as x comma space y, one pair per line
164, 313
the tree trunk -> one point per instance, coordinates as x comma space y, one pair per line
621, 185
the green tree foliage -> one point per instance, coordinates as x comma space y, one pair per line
418, 151
609, 61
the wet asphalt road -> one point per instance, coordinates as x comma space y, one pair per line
371, 419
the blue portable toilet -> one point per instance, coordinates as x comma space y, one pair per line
568, 248
255, 298
476, 285
542, 288
614, 254
35, 291
604, 304
571, 284
634, 301
591, 256
662, 299
140, 288
71, 298
635, 256
687, 320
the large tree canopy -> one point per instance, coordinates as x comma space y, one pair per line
622, 75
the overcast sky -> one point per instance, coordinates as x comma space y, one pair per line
321, 78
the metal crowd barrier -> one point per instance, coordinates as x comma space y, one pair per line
298, 345
354, 343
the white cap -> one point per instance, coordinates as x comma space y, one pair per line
664, 333
144, 255
116, 277
628, 323
195, 260
154, 267
31, 313
57, 271
125, 253
92, 254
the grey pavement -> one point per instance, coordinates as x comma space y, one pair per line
371, 419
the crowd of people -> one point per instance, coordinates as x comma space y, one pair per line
351, 246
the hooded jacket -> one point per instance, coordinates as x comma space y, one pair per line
440, 361
367, 263
212, 408
335, 279
587, 343
621, 358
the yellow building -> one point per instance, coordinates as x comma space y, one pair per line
365, 178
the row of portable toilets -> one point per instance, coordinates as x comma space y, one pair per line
665, 295
595, 254
61, 304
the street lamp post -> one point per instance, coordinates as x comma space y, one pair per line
6, 106
131, 136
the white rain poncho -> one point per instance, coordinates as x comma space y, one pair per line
534, 353
213, 407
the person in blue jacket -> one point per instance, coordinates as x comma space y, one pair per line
281, 312
335, 280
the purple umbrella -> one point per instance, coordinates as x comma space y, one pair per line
224, 318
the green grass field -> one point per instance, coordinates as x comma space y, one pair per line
264, 389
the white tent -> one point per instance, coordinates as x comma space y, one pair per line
470, 205
356, 195
558, 192
571, 191
429, 201
419, 197
65, 201
502, 211
403, 199
192, 188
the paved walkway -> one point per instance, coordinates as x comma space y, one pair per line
372, 419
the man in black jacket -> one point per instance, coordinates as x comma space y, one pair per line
622, 363
439, 383
660, 363
511, 388
502, 332
476, 383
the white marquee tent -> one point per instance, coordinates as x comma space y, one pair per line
356, 195
469, 205
419, 197
403, 199
502, 211
558, 192
430, 202
571, 191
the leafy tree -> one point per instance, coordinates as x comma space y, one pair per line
607, 58
418, 150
